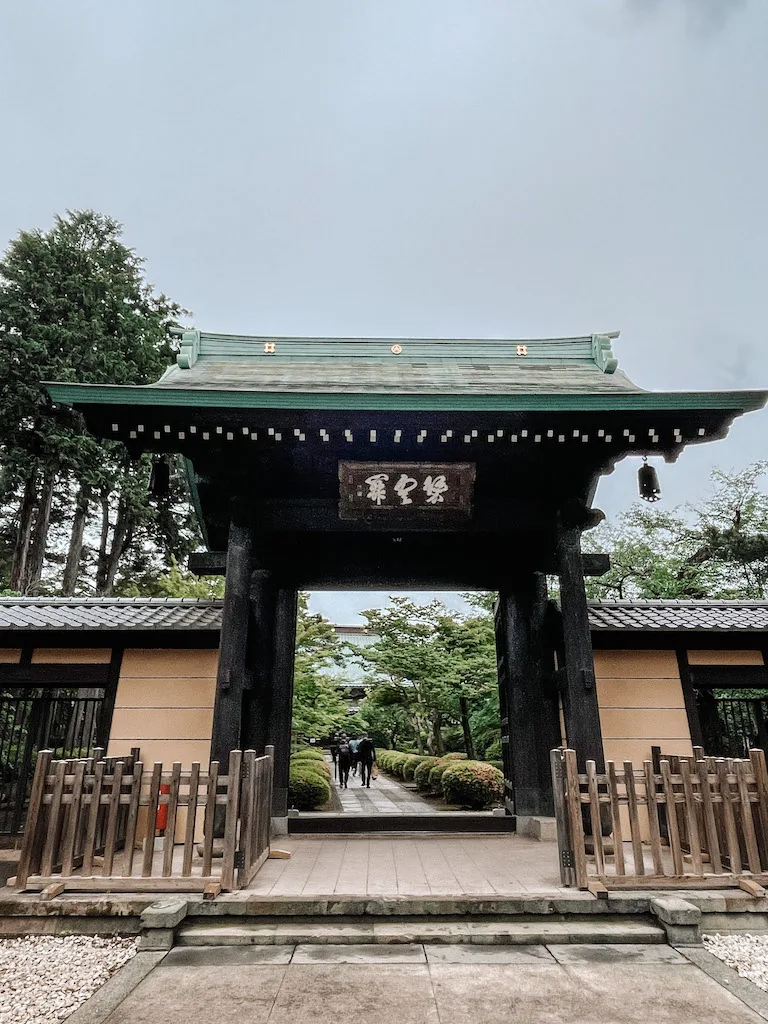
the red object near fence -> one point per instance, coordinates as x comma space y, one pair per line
161, 819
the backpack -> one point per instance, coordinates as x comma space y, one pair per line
344, 750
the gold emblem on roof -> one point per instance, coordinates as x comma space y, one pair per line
396, 350
270, 347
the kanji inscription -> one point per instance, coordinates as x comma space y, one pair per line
402, 489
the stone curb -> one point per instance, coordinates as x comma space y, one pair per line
107, 999
727, 978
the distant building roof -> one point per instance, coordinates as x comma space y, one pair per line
189, 613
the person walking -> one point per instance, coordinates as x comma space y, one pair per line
353, 745
366, 755
345, 761
334, 746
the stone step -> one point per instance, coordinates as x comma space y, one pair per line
489, 930
326, 823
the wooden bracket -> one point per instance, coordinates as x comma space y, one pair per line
53, 890
212, 890
278, 854
752, 887
597, 889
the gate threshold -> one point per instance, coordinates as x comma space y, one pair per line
320, 822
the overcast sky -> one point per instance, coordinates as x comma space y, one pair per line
421, 168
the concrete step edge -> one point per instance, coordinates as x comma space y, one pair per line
252, 933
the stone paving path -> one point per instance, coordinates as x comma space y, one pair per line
385, 796
423, 984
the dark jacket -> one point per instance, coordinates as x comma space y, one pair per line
366, 750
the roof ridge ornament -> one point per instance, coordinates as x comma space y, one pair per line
190, 349
602, 352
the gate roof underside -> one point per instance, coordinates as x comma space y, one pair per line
267, 421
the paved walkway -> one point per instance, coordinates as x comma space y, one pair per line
440, 865
429, 985
386, 796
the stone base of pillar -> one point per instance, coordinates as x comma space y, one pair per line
537, 827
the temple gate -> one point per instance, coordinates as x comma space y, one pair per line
319, 463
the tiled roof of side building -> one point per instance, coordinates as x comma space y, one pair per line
109, 613
679, 616
127, 613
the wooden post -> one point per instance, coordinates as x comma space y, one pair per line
231, 675
281, 706
29, 862
530, 710
582, 718
231, 820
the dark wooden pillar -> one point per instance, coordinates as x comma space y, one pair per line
582, 717
528, 699
281, 709
258, 703
502, 663
232, 675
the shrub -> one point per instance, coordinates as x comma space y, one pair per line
497, 764
383, 759
436, 773
311, 753
421, 775
493, 753
395, 760
473, 784
307, 788
410, 765
454, 755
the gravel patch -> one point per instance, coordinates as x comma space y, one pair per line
44, 978
747, 954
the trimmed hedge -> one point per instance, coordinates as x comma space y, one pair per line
421, 774
472, 784
409, 766
454, 755
311, 753
394, 761
436, 773
308, 789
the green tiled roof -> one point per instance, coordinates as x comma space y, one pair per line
400, 366
528, 374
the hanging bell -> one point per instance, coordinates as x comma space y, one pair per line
648, 483
160, 479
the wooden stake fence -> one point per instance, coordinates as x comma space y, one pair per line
84, 817
691, 821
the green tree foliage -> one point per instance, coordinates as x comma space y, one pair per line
318, 708
74, 306
429, 670
177, 582
717, 548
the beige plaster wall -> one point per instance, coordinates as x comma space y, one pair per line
641, 704
9, 656
725, 658
71, 656
164, 705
